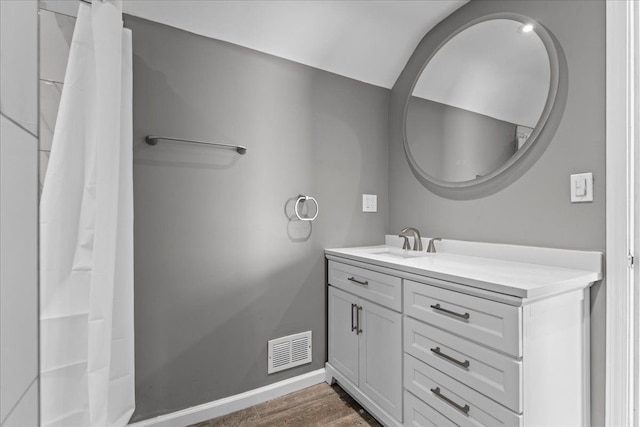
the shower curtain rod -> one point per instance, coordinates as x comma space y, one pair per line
153, 140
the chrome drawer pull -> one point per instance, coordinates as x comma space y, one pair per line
464, 409
353, 326
437, 351
453, 313
353, 279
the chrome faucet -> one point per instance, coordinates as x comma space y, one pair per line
417, 240
405, 245
432, 247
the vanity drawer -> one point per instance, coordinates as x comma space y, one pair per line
376, 287
452, 399
493, 374
419, 414
488, 322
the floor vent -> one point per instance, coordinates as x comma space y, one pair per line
289, 351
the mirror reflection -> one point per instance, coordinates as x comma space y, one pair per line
478, 100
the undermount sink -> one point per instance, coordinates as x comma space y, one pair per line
397, 253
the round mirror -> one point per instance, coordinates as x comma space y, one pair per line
477, 100
477, 113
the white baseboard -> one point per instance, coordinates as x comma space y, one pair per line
220, 407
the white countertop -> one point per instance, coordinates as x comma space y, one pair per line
511, 277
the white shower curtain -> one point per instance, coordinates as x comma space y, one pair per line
86, 226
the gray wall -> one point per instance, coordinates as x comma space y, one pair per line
19, 214
219, 267
456, 145
535, 210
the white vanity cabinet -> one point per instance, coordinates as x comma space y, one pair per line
482, 362
463, 340
365, 337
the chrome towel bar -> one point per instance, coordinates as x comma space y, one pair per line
153, 140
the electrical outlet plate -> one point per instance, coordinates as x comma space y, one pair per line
581, 187
369, 203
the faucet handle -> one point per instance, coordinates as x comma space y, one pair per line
405, 246
432, 247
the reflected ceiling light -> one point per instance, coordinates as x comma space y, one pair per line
526, 28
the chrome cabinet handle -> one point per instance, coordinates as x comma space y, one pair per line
353, 279
437, 351
359, 330
464, 409
453, 313
353, 326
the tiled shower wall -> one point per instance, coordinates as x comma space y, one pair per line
19, 213
22, 124
57, 21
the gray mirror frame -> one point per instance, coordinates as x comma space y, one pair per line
470, 14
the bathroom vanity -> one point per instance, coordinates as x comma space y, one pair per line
475, 334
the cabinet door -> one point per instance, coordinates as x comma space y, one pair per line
343, 342
381, 357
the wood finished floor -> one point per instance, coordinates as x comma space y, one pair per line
321, 405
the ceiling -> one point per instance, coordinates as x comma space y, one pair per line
369, 41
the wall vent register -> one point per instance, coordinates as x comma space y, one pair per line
288, 352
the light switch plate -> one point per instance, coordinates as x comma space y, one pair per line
581, 187
369, 203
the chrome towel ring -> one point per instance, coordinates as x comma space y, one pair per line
302, 198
